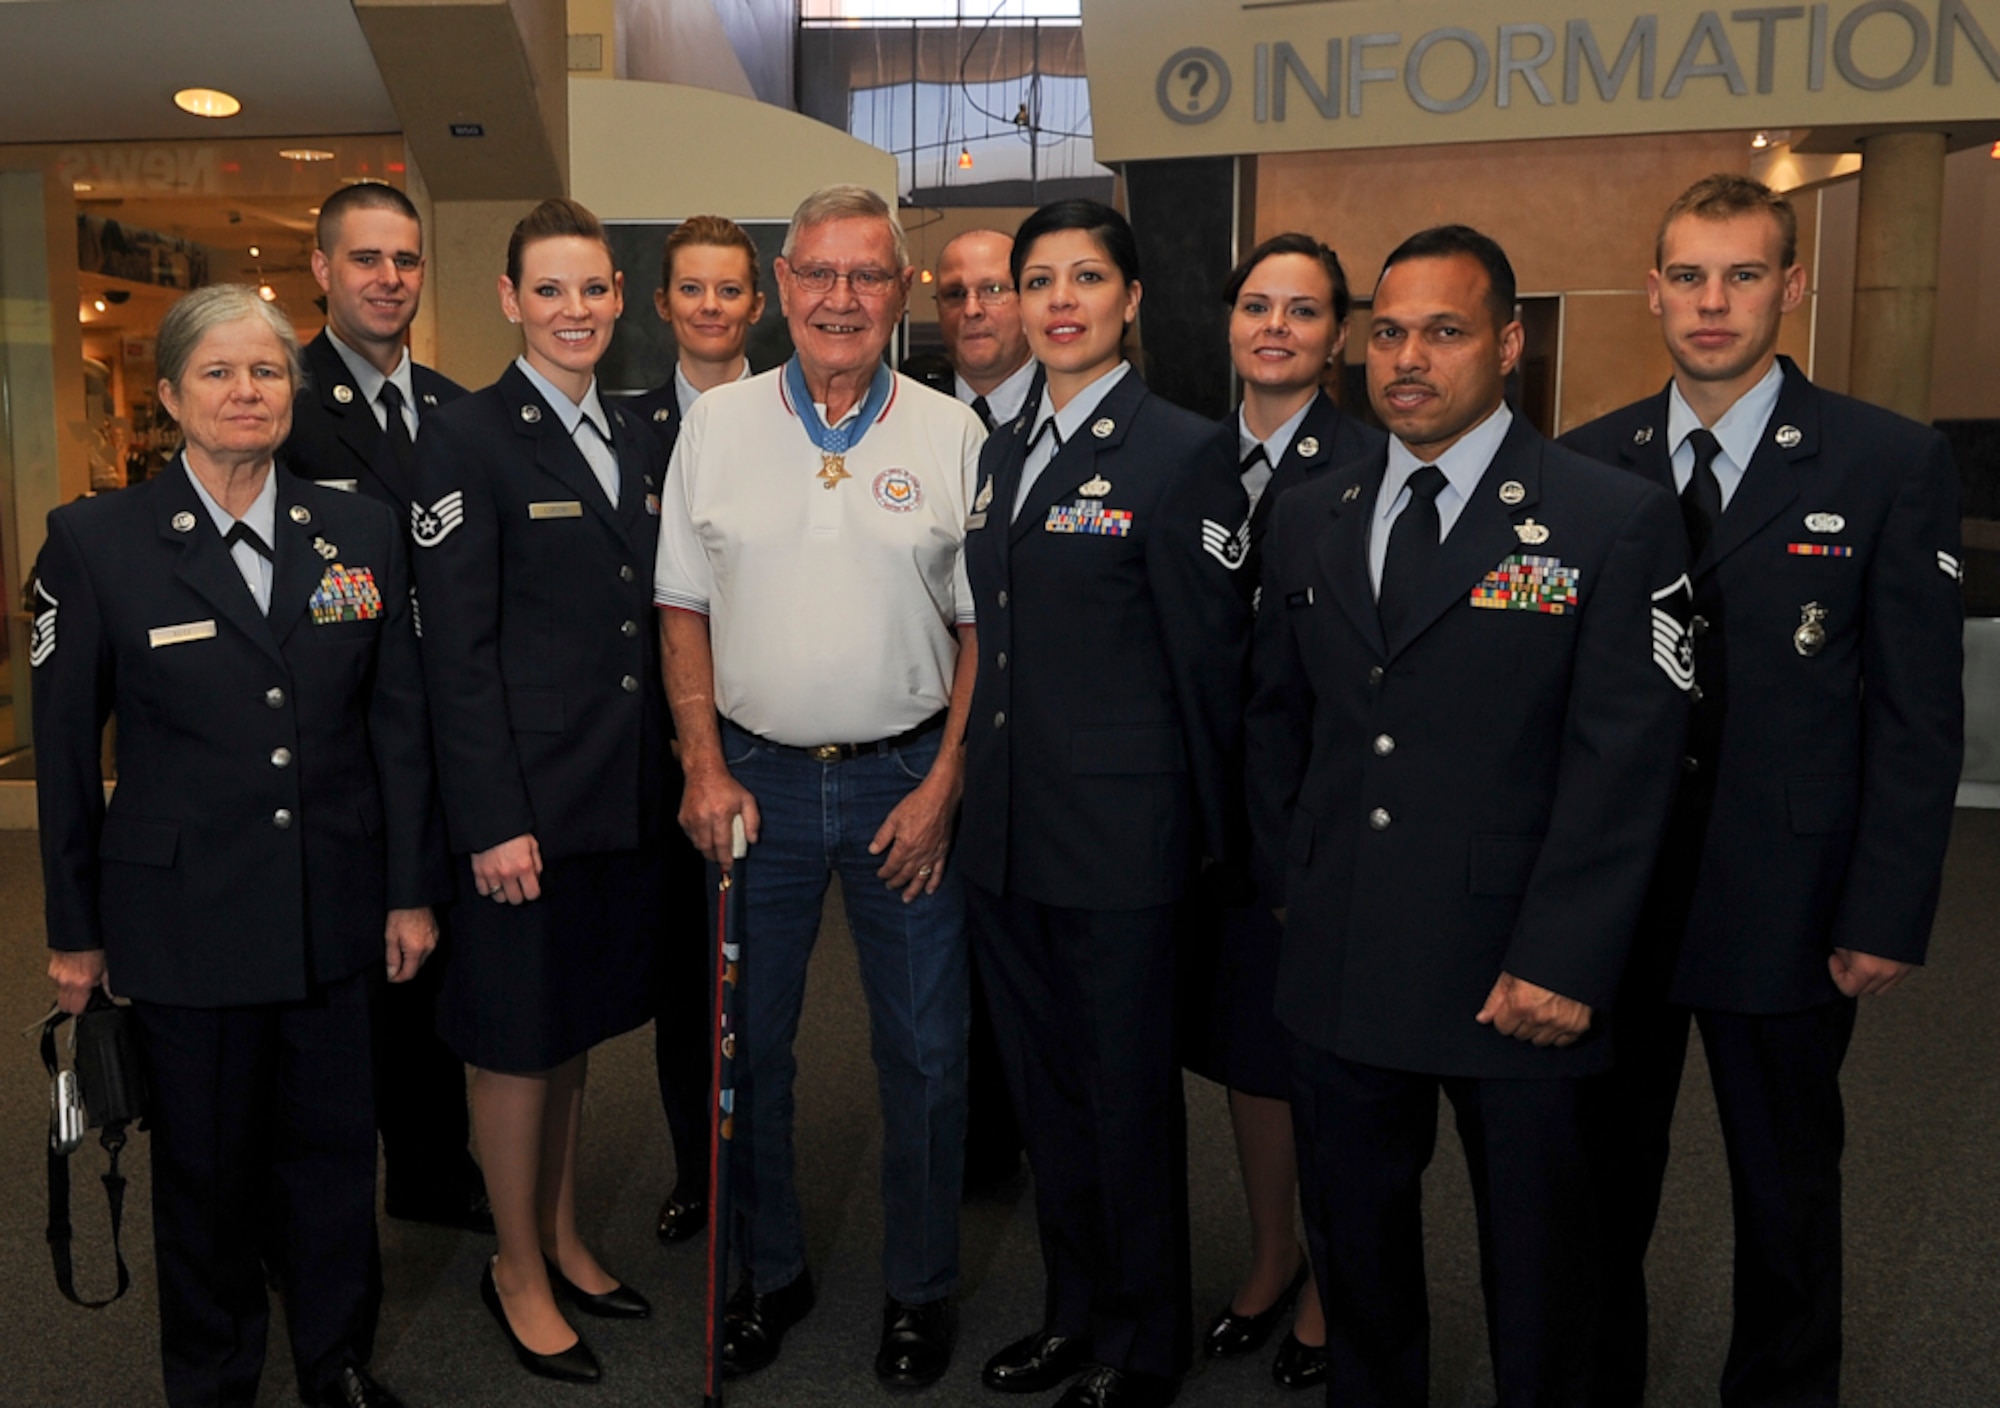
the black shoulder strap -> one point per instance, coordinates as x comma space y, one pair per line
112, 1137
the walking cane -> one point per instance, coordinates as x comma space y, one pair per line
722, 1108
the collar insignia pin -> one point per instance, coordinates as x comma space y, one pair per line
1102, 428
1309, 446
531, 414
1353, 493
430, 399
343, 393
1788, 437
1512, 492
301, 514
183, 522
985, 497
1643, 435
663, 414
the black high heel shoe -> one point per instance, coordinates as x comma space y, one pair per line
1232, 1336
575, 1365
621, 1302
1298, 1364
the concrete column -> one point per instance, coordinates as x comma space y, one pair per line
1896, 270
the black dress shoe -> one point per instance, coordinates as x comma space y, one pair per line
352, 1388
619, 1303
753, 1327
1119, 1388
1232, 1336
1298, 1365
575, 1365
1038, 1362
916, 1343
464, 1210
683, 1216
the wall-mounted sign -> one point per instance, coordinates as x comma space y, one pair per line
1215, 77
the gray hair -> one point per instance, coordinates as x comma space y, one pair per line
846, 203
195, 315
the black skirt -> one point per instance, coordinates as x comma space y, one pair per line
532, 985
1229, 986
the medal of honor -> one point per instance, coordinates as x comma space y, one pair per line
833, 442
832, 469
1810, 638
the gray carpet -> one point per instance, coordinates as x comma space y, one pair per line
1923, 1086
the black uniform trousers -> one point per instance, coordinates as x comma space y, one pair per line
1777, 1093
1082, 1003
1365, 1135
262, 1115
420, 1094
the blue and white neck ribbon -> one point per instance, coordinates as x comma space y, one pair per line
833, 442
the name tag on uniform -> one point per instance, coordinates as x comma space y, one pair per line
346, 486
559, 508
974, 521
181, 634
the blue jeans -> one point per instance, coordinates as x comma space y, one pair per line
816, 821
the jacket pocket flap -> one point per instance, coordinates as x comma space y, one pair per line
1501, 865
1142, 749
138, 841
535, 710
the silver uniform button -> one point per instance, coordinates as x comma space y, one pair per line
1699, 625
282, 818
1000, 719
1384, 745
1694, 693
625, 574
1690, 763
1379, 819
275, 697
1002, 660
630, 684
629, 629
281, 757
1003, 598
1374, 674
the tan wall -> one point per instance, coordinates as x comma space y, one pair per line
1577, 218
468, 254
1965, 372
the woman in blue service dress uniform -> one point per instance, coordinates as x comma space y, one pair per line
535, 521
1104, 547
1288, 303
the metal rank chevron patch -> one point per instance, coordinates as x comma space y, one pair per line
1526, 582
1227, 547
42, 637
1947, 564
346, 594
433, 524
1088, 516
1673, 642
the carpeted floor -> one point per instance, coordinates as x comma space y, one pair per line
1923, 1201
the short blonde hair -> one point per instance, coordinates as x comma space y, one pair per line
1724, 195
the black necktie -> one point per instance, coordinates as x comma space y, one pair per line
1701, 500
241, 532
983, 411
397, 431
1054, 435
1413, 551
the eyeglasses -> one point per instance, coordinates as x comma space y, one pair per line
992, 295
864, 283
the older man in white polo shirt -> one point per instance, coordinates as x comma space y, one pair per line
819, 657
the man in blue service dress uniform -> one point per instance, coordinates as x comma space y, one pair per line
1802, 863
1470, 692
370, 264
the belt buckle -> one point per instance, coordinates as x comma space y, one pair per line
827, 753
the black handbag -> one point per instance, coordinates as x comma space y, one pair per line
105, 1090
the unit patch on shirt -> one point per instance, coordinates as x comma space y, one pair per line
1527, 582
898, 490
346, 594
1089, 516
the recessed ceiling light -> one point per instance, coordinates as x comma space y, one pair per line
99, 304
1761, 141
81, 186
207, 102
305, 154
256, 251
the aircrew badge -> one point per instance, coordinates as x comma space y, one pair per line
1824, 523
1094, 488
1524, 582
1532, 533
346, 594
898, 490
984, 498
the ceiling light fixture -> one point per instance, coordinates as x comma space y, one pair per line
965, 159
1760, 141
207, 102
81, 186
267, 293
305, 154
256, 252
100, 305
1995, 153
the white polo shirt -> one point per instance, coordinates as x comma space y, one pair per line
830, 610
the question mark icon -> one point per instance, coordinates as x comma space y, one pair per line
1196, 74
